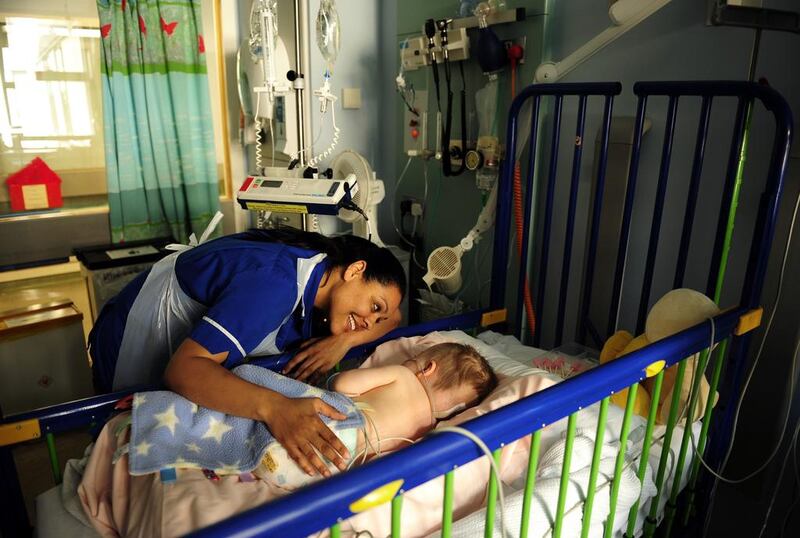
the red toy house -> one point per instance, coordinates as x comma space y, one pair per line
36, 186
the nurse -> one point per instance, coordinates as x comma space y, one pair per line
199, 312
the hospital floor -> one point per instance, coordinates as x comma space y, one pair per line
33, 464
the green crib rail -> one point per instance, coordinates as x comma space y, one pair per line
595, 469
646, 445
530, 482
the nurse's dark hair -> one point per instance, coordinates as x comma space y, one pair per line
382, 266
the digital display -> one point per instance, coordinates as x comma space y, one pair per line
272, 184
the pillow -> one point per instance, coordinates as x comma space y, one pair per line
514, 458
401, 349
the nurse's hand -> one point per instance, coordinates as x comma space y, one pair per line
296, 425
318, 356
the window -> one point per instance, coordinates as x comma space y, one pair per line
51, 104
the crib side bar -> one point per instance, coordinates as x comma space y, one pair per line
447, 504
644, 462
71, 415
397, 515
687, 434
597, 455
595, 223
530, 482
651, 521
573, 202
548, 213
491, 501
622, 249
658, 210
563, 484
720, 355
730, 197
620, 463
694, 189
523, 283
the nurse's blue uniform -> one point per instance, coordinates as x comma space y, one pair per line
241, 296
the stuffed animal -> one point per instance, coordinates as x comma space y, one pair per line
677, 310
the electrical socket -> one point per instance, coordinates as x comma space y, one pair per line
412, 206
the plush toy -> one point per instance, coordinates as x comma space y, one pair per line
677, 310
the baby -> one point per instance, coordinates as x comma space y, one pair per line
400, 403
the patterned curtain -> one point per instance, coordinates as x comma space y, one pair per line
161, 165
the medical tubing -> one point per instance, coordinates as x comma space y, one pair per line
789, 451
394, 219
309, 147
517, 188
780, 439
761, 347
272, 141
485, 449
313, 162
721, 275
394, 196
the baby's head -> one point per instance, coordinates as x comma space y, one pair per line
456, 375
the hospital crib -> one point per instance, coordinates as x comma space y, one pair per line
327, 503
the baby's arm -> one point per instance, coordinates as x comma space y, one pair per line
357, 382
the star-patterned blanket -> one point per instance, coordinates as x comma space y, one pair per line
168, 430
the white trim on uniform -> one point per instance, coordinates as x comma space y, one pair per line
224, 331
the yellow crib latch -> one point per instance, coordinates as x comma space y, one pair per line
749, 321
16, 432
378, 496
654, 368
493, 317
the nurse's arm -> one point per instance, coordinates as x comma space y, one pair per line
198, 375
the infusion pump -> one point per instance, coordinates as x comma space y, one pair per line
297, 195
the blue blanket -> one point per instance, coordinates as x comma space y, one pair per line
168, 430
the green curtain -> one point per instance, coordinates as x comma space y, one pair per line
159, 146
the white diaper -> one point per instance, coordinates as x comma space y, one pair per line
280, 470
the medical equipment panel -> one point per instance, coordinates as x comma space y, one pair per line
296, 195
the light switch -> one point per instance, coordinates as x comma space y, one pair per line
351, 97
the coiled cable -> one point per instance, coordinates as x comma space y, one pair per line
316, 160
